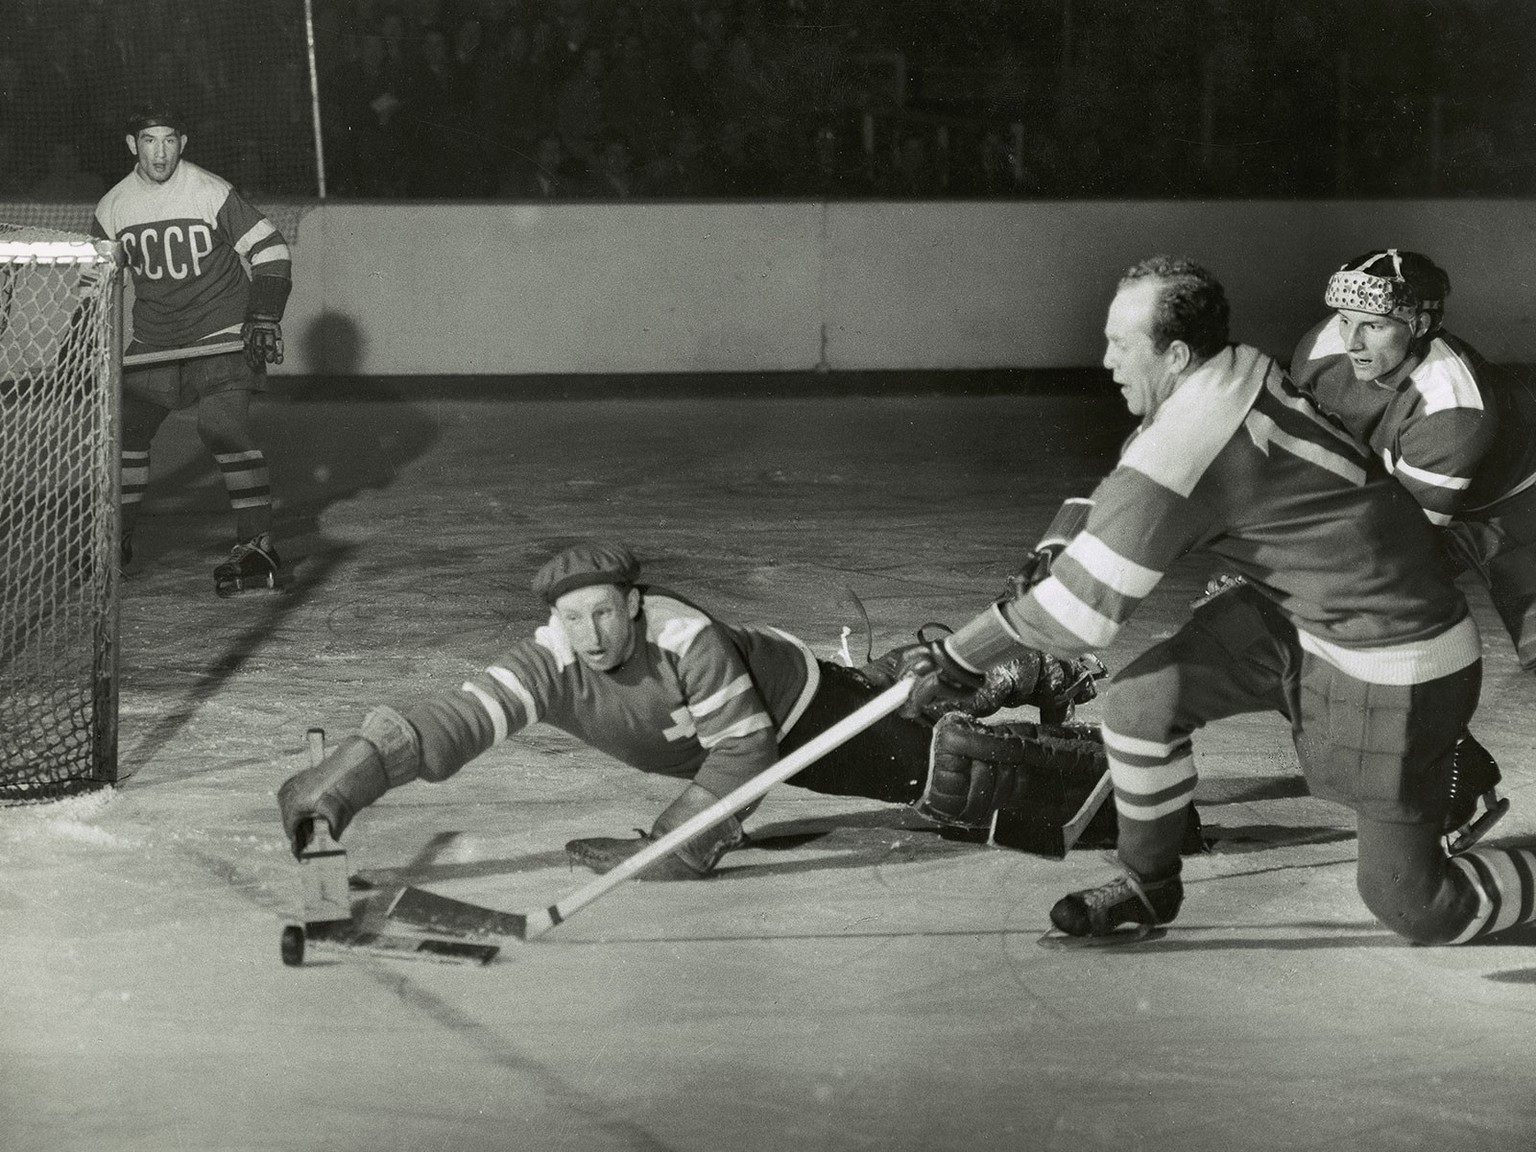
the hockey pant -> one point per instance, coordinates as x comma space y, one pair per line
1382, 749
214, 384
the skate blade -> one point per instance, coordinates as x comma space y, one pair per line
1058, 941
224, 589
1470, 833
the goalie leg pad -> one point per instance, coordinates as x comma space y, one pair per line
975, 769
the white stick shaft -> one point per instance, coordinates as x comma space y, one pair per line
1073, 829
193, 353
815, 748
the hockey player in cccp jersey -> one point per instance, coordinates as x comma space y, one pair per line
1364, 641
204, 328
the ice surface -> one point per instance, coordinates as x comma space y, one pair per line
852, 982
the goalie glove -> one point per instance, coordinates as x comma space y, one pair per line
1040, 680
695, 860
335, 790
1035, 679
939, 680
263, 338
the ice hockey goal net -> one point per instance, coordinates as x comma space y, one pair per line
60, 370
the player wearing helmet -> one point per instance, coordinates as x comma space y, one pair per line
1459, 433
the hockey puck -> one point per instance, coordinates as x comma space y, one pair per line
293, 945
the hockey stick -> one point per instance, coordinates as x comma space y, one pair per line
1073, 828
194, 353
535, 924
328, 922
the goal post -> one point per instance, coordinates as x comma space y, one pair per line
60, 484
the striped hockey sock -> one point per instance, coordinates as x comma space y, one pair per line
135, 468
249, 485
1505, 883
1154, 787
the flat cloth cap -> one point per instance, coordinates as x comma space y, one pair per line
155, 115
584, 564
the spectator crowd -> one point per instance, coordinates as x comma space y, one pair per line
613, 99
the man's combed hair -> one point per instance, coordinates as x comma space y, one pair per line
1192, 306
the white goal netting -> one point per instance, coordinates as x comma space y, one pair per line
60, 366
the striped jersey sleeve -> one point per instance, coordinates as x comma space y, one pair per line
696, 700
1239, 464
509, 695
1142, 520
1434, 429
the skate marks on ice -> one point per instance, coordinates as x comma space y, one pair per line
230, 634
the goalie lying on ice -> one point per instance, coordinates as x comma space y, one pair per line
651, 679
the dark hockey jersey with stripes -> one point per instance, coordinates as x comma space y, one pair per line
185, 241
1459, 433
1236, 463
698, 699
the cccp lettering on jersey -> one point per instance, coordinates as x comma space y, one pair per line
174, 250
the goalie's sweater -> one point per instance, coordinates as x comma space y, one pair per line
184, 241
1459, 433
697, 698
1238, 464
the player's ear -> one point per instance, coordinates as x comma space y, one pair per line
133, 143
1420, 325
632, 603
1180, 355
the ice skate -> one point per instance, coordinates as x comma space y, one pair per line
1124, 900
252, 564
1475, 777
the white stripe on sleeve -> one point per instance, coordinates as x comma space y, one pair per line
493, 709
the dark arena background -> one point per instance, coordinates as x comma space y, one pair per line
805, 300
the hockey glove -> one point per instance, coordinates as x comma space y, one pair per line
263, 338
1069, 521
335, 790
938, 677
1033, 571
695, 860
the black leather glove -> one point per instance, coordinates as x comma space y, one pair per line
1033, 570
263, 337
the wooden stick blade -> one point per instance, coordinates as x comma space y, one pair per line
446, 916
